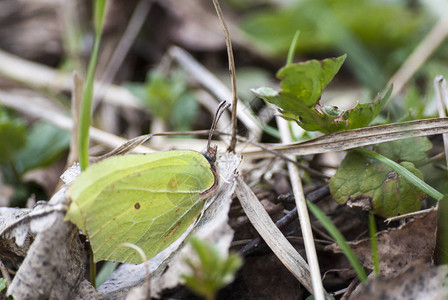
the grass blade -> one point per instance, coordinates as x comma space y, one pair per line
292, 48
87, 95
423, 186
342, 243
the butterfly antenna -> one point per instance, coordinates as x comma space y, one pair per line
223, 105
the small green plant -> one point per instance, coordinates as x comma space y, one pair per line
27, 148
3, 288
168, 98
299, 99
210, 272
2, 284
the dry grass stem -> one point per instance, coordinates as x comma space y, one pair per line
273, 237
304, 218
34, 74
442, 106
27, 106
215, 87
136, 22
232, 71
427, 46
349, 139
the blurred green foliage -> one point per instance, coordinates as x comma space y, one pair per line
211, 271
45, 143
168, 98
376, 35
23, 149
12, 136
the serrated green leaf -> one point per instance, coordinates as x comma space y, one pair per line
12, 136
44, 144
371, 185
302, 86
405, 150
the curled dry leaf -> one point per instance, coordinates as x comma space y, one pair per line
15, 243
399, 247
55, 263
420, 281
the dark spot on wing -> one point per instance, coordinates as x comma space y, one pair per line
137, 205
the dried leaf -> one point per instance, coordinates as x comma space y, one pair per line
272, 235
417, 282
349, 139
399, 247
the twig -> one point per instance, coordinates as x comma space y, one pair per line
314, 196
349, 139
305, 223
78, 83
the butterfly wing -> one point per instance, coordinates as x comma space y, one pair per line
148, 206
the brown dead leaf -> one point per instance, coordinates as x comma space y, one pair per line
416, 282
399, 247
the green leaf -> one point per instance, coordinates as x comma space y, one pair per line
412, 150
146, 200
371, 185
302, 86
45, 143
12, 135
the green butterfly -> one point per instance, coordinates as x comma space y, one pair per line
148, 200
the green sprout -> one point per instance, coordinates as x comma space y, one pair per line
211, 271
